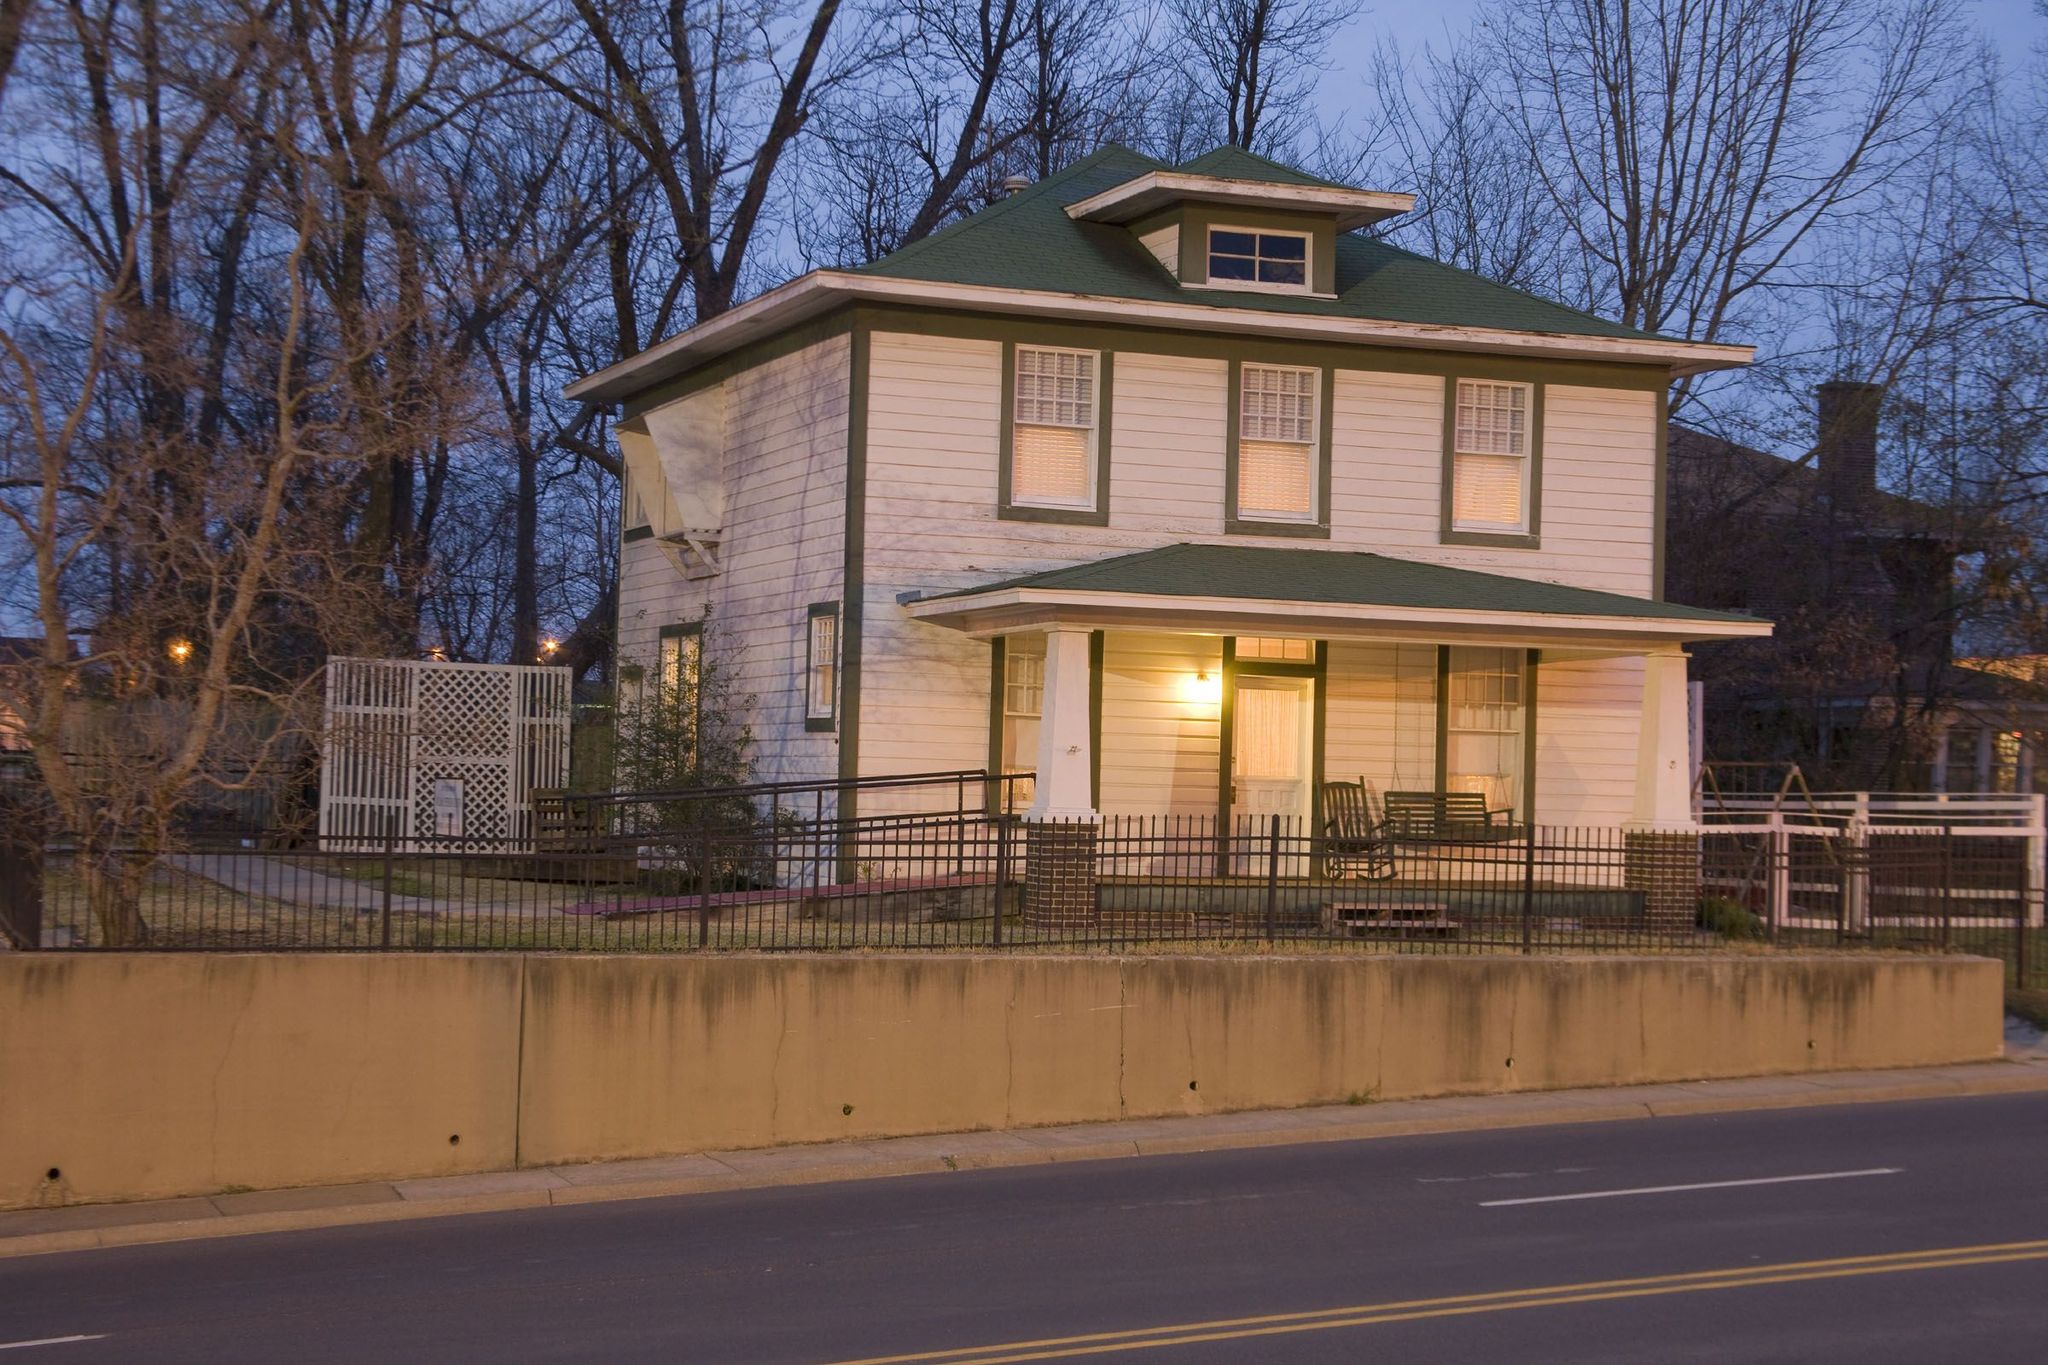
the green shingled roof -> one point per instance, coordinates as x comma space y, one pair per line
1345, 577
1027, 242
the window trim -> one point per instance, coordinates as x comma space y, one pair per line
1317, 524
828, 722
1254, 286
1530, 537
1007, 508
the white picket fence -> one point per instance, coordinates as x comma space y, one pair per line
1865, 859
420, 749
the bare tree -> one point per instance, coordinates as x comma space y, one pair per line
1690, 150
1250, 66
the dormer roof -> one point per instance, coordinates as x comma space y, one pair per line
1232, 178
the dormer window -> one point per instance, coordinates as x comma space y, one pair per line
1247, 259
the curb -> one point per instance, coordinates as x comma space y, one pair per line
2013, 1078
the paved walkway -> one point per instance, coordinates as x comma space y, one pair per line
270, 877
31, 1232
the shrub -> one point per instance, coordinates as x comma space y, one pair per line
1729, 918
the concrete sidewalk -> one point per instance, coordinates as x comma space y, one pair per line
32, 1232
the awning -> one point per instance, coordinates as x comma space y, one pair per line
1249, 589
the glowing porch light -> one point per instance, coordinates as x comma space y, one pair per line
1203, 687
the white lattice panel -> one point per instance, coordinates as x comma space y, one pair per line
396, 727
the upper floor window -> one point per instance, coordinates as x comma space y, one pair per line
1276, 444
1052, 462
1274, 260
1490, 457
680, 663
821, 667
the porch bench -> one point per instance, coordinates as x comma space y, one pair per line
1446, 817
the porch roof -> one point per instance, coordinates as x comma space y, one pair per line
1295, 590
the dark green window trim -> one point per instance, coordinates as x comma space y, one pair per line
1233, 524
684, 630
1529, 670
640, 532
827, 723
1105, 378
1097, 650
1531, 539
1226, 745
997, 651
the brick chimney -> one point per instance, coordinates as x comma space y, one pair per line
1847, 442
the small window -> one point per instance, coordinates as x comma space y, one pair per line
1490, 462
1052, 461
1276, 444
1272, 647
1275, 260
821, 666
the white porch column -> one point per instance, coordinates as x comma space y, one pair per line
1663, 749
1065, 762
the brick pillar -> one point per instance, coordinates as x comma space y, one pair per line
1059, 876
1664, 865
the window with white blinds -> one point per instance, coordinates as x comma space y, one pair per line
1490, 465
1276, 444
1052, 450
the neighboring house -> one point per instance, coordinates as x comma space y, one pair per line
1858, 685
1161, 483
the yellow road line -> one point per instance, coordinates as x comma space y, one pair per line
1360, 1315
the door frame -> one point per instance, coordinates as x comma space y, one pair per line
1226, 732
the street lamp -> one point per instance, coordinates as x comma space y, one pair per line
180, 650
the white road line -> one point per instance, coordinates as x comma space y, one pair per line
1706, 1185
52, 1341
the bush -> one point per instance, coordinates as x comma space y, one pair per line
1729, 918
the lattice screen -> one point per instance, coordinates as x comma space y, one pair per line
396, 729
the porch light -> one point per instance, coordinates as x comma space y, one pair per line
549, 646
1202, 687
180, 650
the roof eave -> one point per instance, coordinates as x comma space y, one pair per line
1155, 190
821, 290
995, 609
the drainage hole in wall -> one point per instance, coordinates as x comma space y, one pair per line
1192, 1085
455, 1139
1511, 1061
846, 1109
54, 1174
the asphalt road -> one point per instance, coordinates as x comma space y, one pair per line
1926, 1241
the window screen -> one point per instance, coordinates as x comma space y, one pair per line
1276, 443
1052, 459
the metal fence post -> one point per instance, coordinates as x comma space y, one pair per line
1948, 881
704, 887
1273, 879
384, 932
1002, 871
1528, 889
2020, 917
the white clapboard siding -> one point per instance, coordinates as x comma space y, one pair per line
1600, 485
933, 417
784, 455
1588, 717
1159, 725
1169, 420
1387, 462
1380, 715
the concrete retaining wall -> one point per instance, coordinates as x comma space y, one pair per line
143, 1076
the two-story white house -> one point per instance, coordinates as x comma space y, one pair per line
1165, 484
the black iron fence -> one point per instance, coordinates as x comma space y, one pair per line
962, 878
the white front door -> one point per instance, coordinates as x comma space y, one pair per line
1272, 721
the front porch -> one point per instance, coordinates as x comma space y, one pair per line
1234, 687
